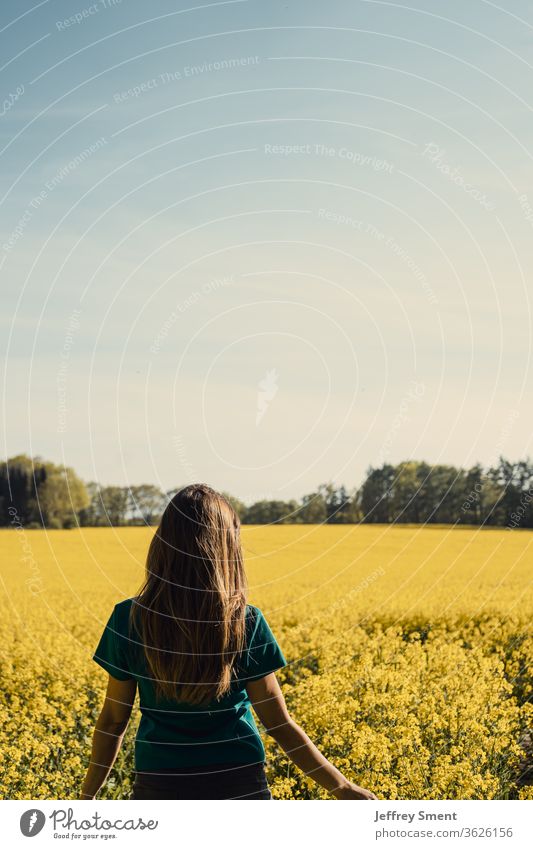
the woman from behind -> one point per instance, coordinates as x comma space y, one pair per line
200, 657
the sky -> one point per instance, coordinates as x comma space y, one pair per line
265, 245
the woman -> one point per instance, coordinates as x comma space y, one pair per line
201, 658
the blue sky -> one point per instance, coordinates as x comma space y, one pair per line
265, 245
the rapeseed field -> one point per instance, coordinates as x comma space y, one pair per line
409, 654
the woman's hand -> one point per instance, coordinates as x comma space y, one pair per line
353, 791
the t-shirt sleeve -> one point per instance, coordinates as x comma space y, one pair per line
264, 654
111, 652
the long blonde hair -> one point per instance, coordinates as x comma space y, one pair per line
190, 611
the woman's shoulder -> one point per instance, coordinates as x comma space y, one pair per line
121, 613
125, 605
253, 613
253, 620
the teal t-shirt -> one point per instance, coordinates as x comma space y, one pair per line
174, 734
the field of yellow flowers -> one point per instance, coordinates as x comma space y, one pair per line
408, 654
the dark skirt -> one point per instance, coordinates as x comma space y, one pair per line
218, 781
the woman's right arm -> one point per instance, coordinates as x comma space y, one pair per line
269, 704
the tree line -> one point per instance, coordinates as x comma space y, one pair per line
36, 493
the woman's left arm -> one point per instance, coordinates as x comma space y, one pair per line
109, 733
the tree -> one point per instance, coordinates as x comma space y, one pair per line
376, 494
62, 496
92, 515
147, 502
35, 492
405, 500
493, 508
471, 506
513, 481
449, 490
112, 504
40, 493
20, 479
313, 509
271, 512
